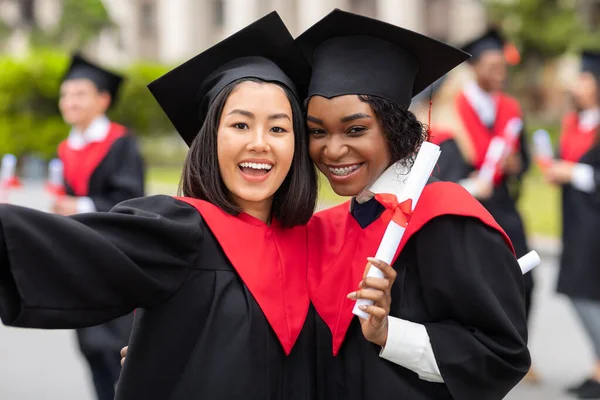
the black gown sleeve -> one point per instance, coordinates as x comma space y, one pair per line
126, 180
473, 290
69, 272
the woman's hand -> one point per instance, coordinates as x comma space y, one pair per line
375, 328
560, 172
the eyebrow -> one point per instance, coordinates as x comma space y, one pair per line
314, 119
279, 116
242, 112
352, 117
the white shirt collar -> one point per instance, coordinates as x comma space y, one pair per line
392, 181
96, 132
482, 102
589, 119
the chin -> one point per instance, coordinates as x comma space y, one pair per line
349, 190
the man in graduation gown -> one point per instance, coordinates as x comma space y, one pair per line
102, 167
484, 111
577, 171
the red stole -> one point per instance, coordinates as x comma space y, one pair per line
339, 248
80, 164
574, 142
438, 136
507, 108
270, 260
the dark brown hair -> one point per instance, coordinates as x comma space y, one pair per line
403, 131
294, 201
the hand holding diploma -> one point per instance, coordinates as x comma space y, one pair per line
499, 148
389, 191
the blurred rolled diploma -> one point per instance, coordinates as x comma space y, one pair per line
55, 184
388, 183
542, 148
499, 147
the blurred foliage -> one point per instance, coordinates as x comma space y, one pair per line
81, 21
547, 28
30, 121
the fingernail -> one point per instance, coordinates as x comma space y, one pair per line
373, 260
362, 308
360, 284
352, 295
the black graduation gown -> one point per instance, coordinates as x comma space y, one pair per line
579, 275
118, 177
200, 335
503, 202
458, 278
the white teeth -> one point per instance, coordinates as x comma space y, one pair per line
256, 165
343, 171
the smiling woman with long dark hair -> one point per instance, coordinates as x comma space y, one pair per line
218, 277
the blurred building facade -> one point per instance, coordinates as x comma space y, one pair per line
171, 31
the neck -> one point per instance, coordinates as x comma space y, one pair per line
259, 210
82, 127
482, 86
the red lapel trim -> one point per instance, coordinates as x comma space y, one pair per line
338, 248
574, 142
480, 135
79, 165
270, 260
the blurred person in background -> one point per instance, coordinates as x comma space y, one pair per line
482, 111
577, 171
102, 167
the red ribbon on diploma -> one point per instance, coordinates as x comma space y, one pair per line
401, 211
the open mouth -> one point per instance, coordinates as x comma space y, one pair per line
255, 169
344, 170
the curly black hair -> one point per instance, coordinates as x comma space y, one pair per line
404, 133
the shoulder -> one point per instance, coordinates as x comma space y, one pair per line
448, 203
161, 207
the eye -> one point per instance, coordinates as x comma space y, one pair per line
278, 129
317, 132
240, 125
356, 130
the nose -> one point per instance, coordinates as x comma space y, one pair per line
258, 141
335, 148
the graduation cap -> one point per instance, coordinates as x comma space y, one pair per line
353, 54
430, 90
264, 50
590, 62
492, 40
104, 80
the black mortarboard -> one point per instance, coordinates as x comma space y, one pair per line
490, 40
264, 50
590, 62
104, 80
353, 54
430, 90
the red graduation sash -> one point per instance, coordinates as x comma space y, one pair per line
507, 108
575, 142
80, 164
338, 248
270, 260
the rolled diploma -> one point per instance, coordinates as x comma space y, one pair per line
529, 261
499, 146
542, 146
417, 179
7, 168
55, 173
